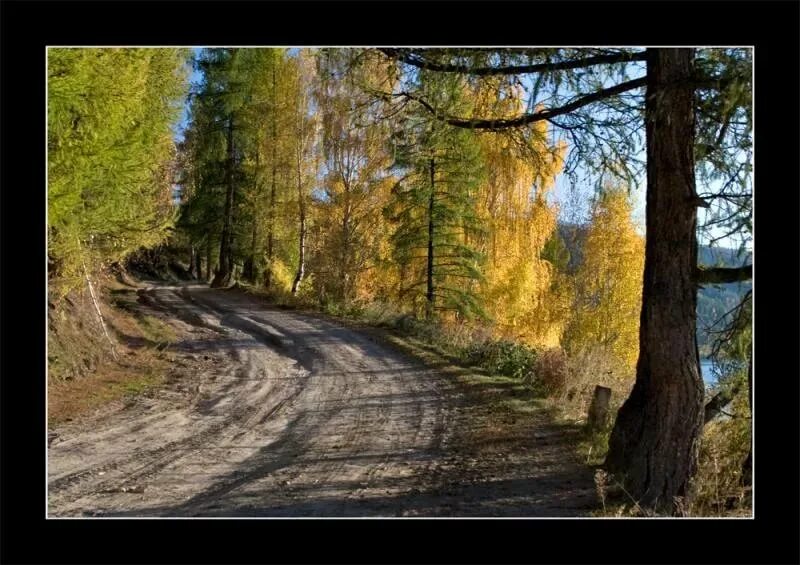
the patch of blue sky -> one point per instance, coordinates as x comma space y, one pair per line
195, 78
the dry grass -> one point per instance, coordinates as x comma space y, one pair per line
717, 486
82, 372
109, 381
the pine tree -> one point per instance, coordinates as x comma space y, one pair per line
433, 210
239, 163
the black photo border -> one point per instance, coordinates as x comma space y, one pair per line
29, 26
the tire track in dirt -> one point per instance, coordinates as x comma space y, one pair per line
299, 417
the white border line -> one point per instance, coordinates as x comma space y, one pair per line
753, 296
48, 517
46, 285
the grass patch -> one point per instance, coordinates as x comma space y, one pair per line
156, 330
110, 382
501, 393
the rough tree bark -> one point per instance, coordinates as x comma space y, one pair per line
653, 446
223, 276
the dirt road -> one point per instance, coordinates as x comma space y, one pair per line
277, 413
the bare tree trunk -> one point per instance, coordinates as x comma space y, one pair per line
345, 262
97, 307
198, 264
598, 410
653, 446
192, 256
301, 260
208, 259
429, 295
271, 233
224, 273
301, 264
249, 269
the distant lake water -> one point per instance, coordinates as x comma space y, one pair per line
707, 370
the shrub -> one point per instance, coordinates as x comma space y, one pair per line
552, 370
717, 486
587, 368
380, 313
506, 358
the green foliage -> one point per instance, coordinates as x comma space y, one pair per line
433, 205
506, 358
243, 135
110, 153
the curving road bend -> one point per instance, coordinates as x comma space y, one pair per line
279, 413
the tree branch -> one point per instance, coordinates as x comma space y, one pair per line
422, 63
547, 114
718, 402
719, 275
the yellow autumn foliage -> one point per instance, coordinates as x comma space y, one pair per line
609, 281
513, 204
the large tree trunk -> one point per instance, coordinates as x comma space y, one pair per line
249, 270
653, 446
272, 202
429, 274
223, 276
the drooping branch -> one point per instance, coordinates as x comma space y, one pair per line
524, 119
423, 63
719, 275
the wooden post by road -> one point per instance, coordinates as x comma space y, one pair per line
598, 410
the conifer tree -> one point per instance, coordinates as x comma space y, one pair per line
433, 209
